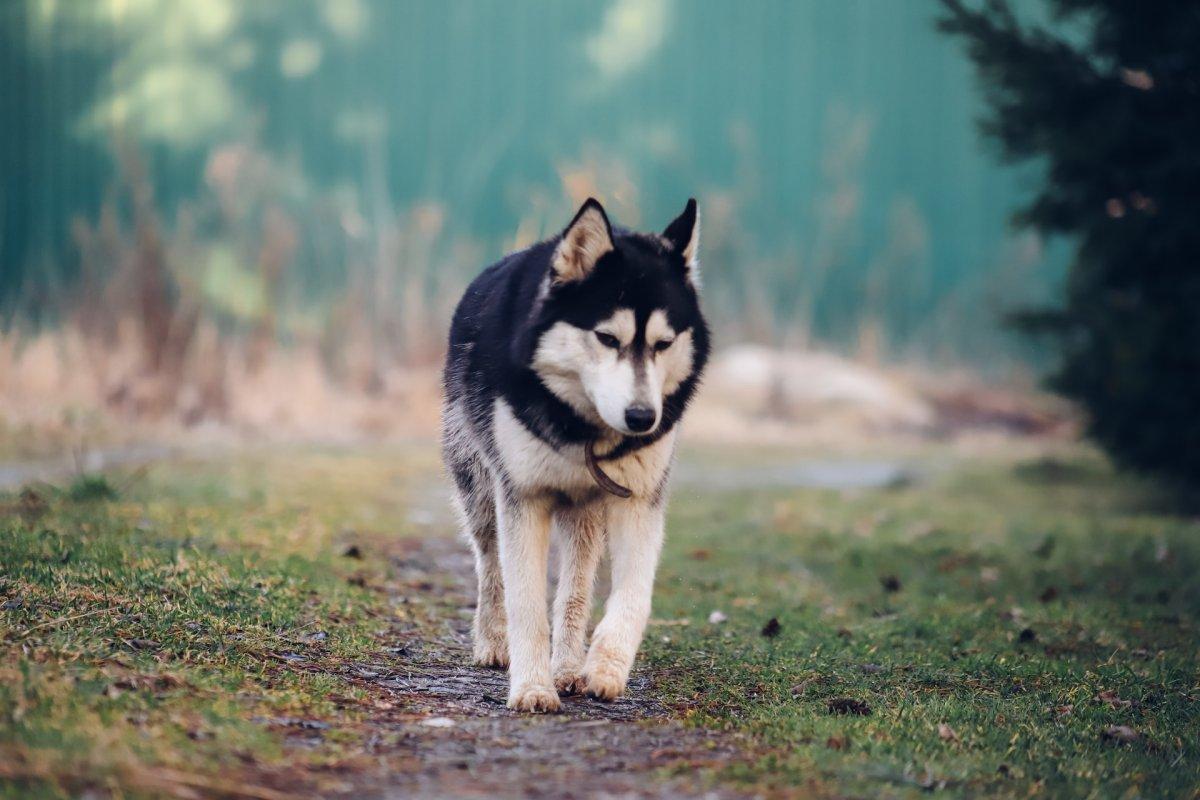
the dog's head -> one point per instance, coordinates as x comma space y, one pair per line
620, 329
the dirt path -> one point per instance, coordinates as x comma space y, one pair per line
450, 734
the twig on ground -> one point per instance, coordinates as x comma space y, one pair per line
61, 620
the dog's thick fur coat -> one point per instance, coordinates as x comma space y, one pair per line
591, 339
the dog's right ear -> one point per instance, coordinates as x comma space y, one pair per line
584, 242
683, 234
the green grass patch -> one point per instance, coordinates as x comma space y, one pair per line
145, 627
999, 627
995, 629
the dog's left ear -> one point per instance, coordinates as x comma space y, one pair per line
683, 234
584, 242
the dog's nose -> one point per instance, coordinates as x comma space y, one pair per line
639, 418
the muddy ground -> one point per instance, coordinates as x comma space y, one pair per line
447, 732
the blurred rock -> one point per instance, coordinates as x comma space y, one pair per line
752, 391
797, 385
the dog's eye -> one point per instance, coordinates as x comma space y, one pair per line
608, 340
663, 344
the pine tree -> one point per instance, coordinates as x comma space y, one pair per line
1109, 105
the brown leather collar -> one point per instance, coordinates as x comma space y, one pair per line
603, 481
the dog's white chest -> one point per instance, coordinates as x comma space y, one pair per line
533, 465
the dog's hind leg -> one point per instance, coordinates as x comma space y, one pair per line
581, 539
635, 535
524, 524
477, 512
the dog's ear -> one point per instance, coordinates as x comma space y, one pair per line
584, 242
683, 234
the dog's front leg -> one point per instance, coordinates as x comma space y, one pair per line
524, 528
581, 539
635, 535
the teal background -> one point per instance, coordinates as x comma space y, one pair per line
843, 184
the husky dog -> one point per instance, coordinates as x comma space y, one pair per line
570, 366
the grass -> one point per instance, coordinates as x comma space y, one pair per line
142, 632
1002, 630
1011, 628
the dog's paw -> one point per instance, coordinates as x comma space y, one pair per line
569, 682
605, 671
491, 652
533, 698
605, 682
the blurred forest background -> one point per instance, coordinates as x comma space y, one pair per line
262, 213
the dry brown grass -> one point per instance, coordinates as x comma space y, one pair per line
139, 346
144, 346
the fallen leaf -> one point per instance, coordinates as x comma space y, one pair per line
1113, 700
946, 733
801, 687
837, 742
848, 705
1121, 733
700, 554
1050, 593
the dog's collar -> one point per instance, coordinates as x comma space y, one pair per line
598, 475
